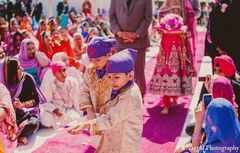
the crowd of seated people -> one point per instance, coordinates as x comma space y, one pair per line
41, 71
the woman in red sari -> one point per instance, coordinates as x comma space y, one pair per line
184, 9
41, 27
45, 44
66, 47
174, 68
87, 7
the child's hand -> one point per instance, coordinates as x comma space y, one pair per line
58, 112
91, 114
77, 129
104, 109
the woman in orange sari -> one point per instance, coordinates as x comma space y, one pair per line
26, 24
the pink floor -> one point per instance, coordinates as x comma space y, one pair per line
161, 132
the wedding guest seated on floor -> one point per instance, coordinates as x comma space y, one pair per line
45, 44
8, 126
71, 70
33, 61
79, 47
26, 97
221, 88
223, 66
222, 127
13, 28
62, 98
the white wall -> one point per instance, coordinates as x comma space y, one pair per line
51, 5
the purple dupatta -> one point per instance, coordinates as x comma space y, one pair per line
27, 63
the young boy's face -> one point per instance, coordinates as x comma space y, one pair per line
118, 80
218, 71
100, 62
61, 75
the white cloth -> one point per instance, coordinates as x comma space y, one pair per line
50, 120
64, 96
71, 71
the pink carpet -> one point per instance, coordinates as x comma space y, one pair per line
64, 142
161, 132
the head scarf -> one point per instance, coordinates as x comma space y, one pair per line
56, 66
25, 62
170, 4
222, 88
226, 65
222, 127
59, 56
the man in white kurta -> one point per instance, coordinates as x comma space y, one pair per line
62, 97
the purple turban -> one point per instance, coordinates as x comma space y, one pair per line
122, 62
100, 46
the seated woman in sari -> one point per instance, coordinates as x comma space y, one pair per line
26, 98
8, 126
79, 47
41, 28
222, 127
45, 44
32, 61
13, 28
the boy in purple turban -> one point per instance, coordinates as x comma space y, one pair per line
96, 89
121, 117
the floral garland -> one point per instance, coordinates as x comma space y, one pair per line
171, 22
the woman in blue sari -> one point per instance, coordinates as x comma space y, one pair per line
222, 128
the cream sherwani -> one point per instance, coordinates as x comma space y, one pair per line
94, 92
122, 125
64, 96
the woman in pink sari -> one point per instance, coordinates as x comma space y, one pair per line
8, 126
